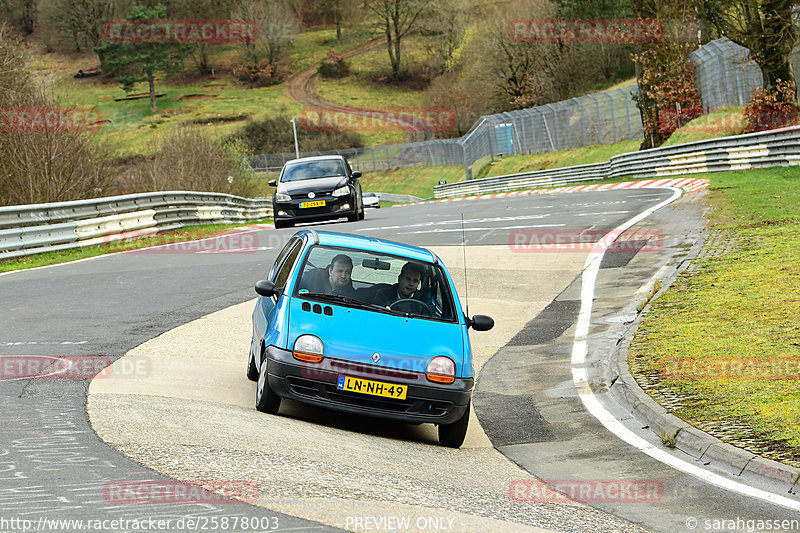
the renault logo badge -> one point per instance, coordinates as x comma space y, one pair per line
376, 357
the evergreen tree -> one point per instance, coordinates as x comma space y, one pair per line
133, 62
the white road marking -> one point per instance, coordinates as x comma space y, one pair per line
496, 228
458, 221
593, 405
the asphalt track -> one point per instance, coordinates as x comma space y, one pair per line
52, 464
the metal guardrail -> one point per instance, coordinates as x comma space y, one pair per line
541, 178
31, 229
739, 152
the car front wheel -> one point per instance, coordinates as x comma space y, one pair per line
452, 435
266, 399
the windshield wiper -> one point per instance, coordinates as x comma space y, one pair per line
345, 300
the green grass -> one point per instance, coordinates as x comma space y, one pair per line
720, 123
739, 308
577, 156
360, 88
179, 235
217, 104
416, 181
310, 47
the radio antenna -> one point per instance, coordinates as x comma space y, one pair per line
464, 250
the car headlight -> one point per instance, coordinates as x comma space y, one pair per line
308, 348
341, 191
441, 369
280, 197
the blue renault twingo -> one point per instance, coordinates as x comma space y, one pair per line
364, 326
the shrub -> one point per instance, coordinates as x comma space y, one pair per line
274, 135
334, 66
43, 162
772, 108
261, 74
191, 159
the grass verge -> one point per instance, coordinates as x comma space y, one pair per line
188, 233
721, 348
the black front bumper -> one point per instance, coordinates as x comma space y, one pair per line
333, 208
315, 383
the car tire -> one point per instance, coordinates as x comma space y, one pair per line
363, 213
452, 435
353, 217
266, 399
252, 371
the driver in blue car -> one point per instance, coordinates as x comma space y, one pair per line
406, 287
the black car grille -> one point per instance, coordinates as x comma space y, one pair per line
317, 390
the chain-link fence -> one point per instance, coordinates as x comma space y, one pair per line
601, 118
725, 74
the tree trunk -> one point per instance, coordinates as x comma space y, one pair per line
389, 44
151, 83
778, 39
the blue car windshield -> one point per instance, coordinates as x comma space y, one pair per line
376, 282
307, 170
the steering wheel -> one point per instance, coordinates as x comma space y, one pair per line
411, 303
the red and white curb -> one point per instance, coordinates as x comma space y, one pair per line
689, 185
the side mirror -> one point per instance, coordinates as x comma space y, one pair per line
272, 183
480, 323
265, 287
356, 174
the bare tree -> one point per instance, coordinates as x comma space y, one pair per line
508, 73
765, 27
42, 162
201, 9
276, 29
395, 19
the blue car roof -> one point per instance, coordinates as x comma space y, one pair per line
371, 244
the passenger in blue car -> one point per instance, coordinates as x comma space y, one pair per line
335, 279
406, 287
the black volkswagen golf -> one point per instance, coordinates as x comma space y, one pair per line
317, 188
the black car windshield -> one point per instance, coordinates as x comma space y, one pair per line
376, 282
308, 170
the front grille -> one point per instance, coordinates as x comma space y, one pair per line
321, 391
372, 371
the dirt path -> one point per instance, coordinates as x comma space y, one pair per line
300, 88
